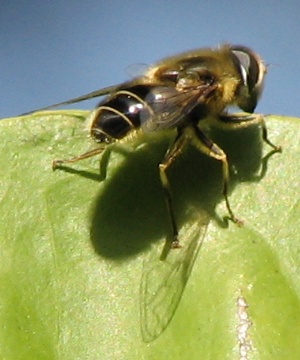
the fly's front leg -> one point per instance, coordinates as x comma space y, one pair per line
236, 121
174, 151
206, 146
265, 136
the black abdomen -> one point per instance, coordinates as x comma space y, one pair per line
119, 114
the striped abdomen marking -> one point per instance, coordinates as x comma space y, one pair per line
120, 113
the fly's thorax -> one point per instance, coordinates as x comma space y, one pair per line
216, 70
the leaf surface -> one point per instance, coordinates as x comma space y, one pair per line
78, 246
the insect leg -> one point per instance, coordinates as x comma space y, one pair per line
236, 121
57, 163
173, 152
206, 146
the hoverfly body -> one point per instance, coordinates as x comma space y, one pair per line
180, 92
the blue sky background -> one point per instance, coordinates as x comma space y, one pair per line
51, 51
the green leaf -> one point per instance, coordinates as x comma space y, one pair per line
81, 246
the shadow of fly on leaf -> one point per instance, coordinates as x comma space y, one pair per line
165, 275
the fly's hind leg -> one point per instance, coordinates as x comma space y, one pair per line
58, 163
236, 121
174, 151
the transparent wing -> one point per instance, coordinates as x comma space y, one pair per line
91, 95
137, 70
167, 106
165, 276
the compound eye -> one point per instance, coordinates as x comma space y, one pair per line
249, 66
252, 71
